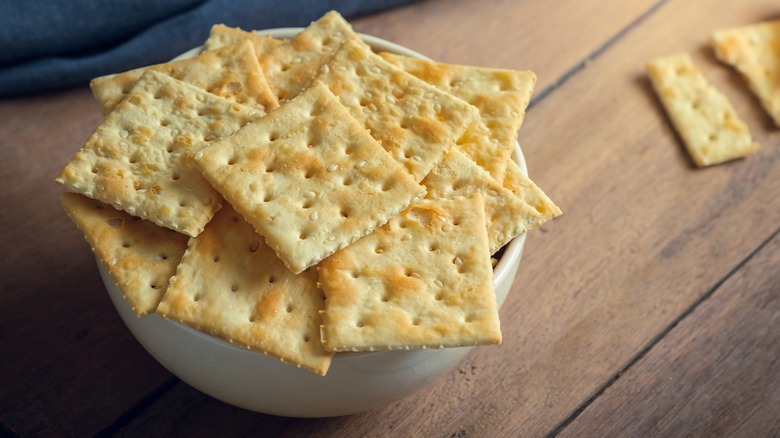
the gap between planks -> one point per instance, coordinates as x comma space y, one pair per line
595, 54
653, 342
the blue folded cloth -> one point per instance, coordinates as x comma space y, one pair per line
51, 45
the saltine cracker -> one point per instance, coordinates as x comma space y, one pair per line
140, 256
309, 178
140, 158
232, 285
424, 280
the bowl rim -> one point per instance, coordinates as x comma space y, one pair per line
510, 257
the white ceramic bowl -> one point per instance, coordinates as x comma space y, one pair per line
355, 382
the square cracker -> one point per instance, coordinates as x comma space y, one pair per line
530, 193
705, 119
139, 158
232, 285
140, 256
221, 36
424, 280
415, 122
232, 72
507, 215
291, 65
309, 178
754, 51
500, 95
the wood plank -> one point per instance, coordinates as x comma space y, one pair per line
715, 374
69, 366
524, 35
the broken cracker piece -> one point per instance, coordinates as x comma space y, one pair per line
705, 119
753, 51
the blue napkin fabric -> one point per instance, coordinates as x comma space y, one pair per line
49, 45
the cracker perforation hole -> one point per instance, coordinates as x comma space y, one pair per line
175, 177
360, 324
347, 181
254, 247
235, 218
234, 288
306, 338
268, 197
216, 259
125, 244
153, 286
271, 279
344, 213
289, 308
303, 236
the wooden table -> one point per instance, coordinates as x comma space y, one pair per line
650, 308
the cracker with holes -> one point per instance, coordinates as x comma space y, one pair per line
290, 66
309, 178
221, 36
705, 119
753, 51
507, 215
530, 193
424, 280
414, 121
500, 95
232, 285
232, 72
140, 256
140, 158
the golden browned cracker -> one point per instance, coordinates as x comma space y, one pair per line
501, 95
705, 119
232, 72
507, 215
424, 280
525, 189
415, 122
309, 178
290, 66
754, 50
221, 36
140, 256
139, 158
232, 285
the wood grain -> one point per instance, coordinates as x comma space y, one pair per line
686, 384
644, 238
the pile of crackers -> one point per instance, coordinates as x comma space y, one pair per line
705, 119
308, 196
